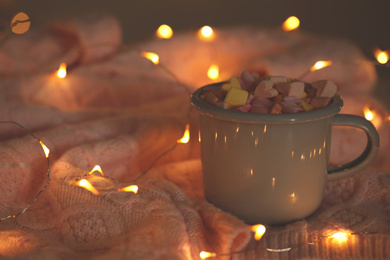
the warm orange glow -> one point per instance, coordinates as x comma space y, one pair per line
45, 149
340, 237
204, 254
381, 56
259, 231
320, 65
88, 186
153, 57
368, 114
213, 72
61, 73
131, 188
20, 23
373, 117
96, 169
186, 136
290, 24
206, 33
164, 32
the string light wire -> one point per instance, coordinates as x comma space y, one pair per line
47, 171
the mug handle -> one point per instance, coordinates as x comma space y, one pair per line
369, 152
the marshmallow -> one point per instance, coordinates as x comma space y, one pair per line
244, 108
267, 93
319, 102
279, 79
233, 83
236, 97
276, 109
248, 80
292, 99
305, 106
324, 88
260, 109
295, 89
261, 101
210, 97
250, 99
265, 89
290, 107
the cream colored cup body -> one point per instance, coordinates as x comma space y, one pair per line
265, 171
271, 169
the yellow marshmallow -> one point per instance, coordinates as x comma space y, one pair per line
233, 83
236, 97
305, 106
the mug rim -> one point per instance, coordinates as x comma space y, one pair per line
238, 116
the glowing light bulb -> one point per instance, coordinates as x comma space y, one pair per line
259, 231
290, 24
381, 56
88, 186
320, 65
206, 33
61, 73
131, 188
96, 169
164, 32
186, 136
340, 237
368, 115
204, 254
153, 57
45, 149
213, 72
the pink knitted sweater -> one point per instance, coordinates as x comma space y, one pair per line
118, 110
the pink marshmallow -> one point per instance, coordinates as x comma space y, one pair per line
244, 108
261, 101
248, 81
260, 109
290, 107
292, 99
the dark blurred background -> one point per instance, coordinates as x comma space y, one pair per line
364, 22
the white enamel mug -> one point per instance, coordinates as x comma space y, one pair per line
272, 168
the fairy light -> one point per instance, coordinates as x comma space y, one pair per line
368, 113
97, 168
45, 149
259, 230
153, 57
340, 237
186, 136
164, 32
48, 172
317, 66
83, 183
131, 188
290, 24
320, 65
61, 73
206, 33
205, 255
213, 72
381, 56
